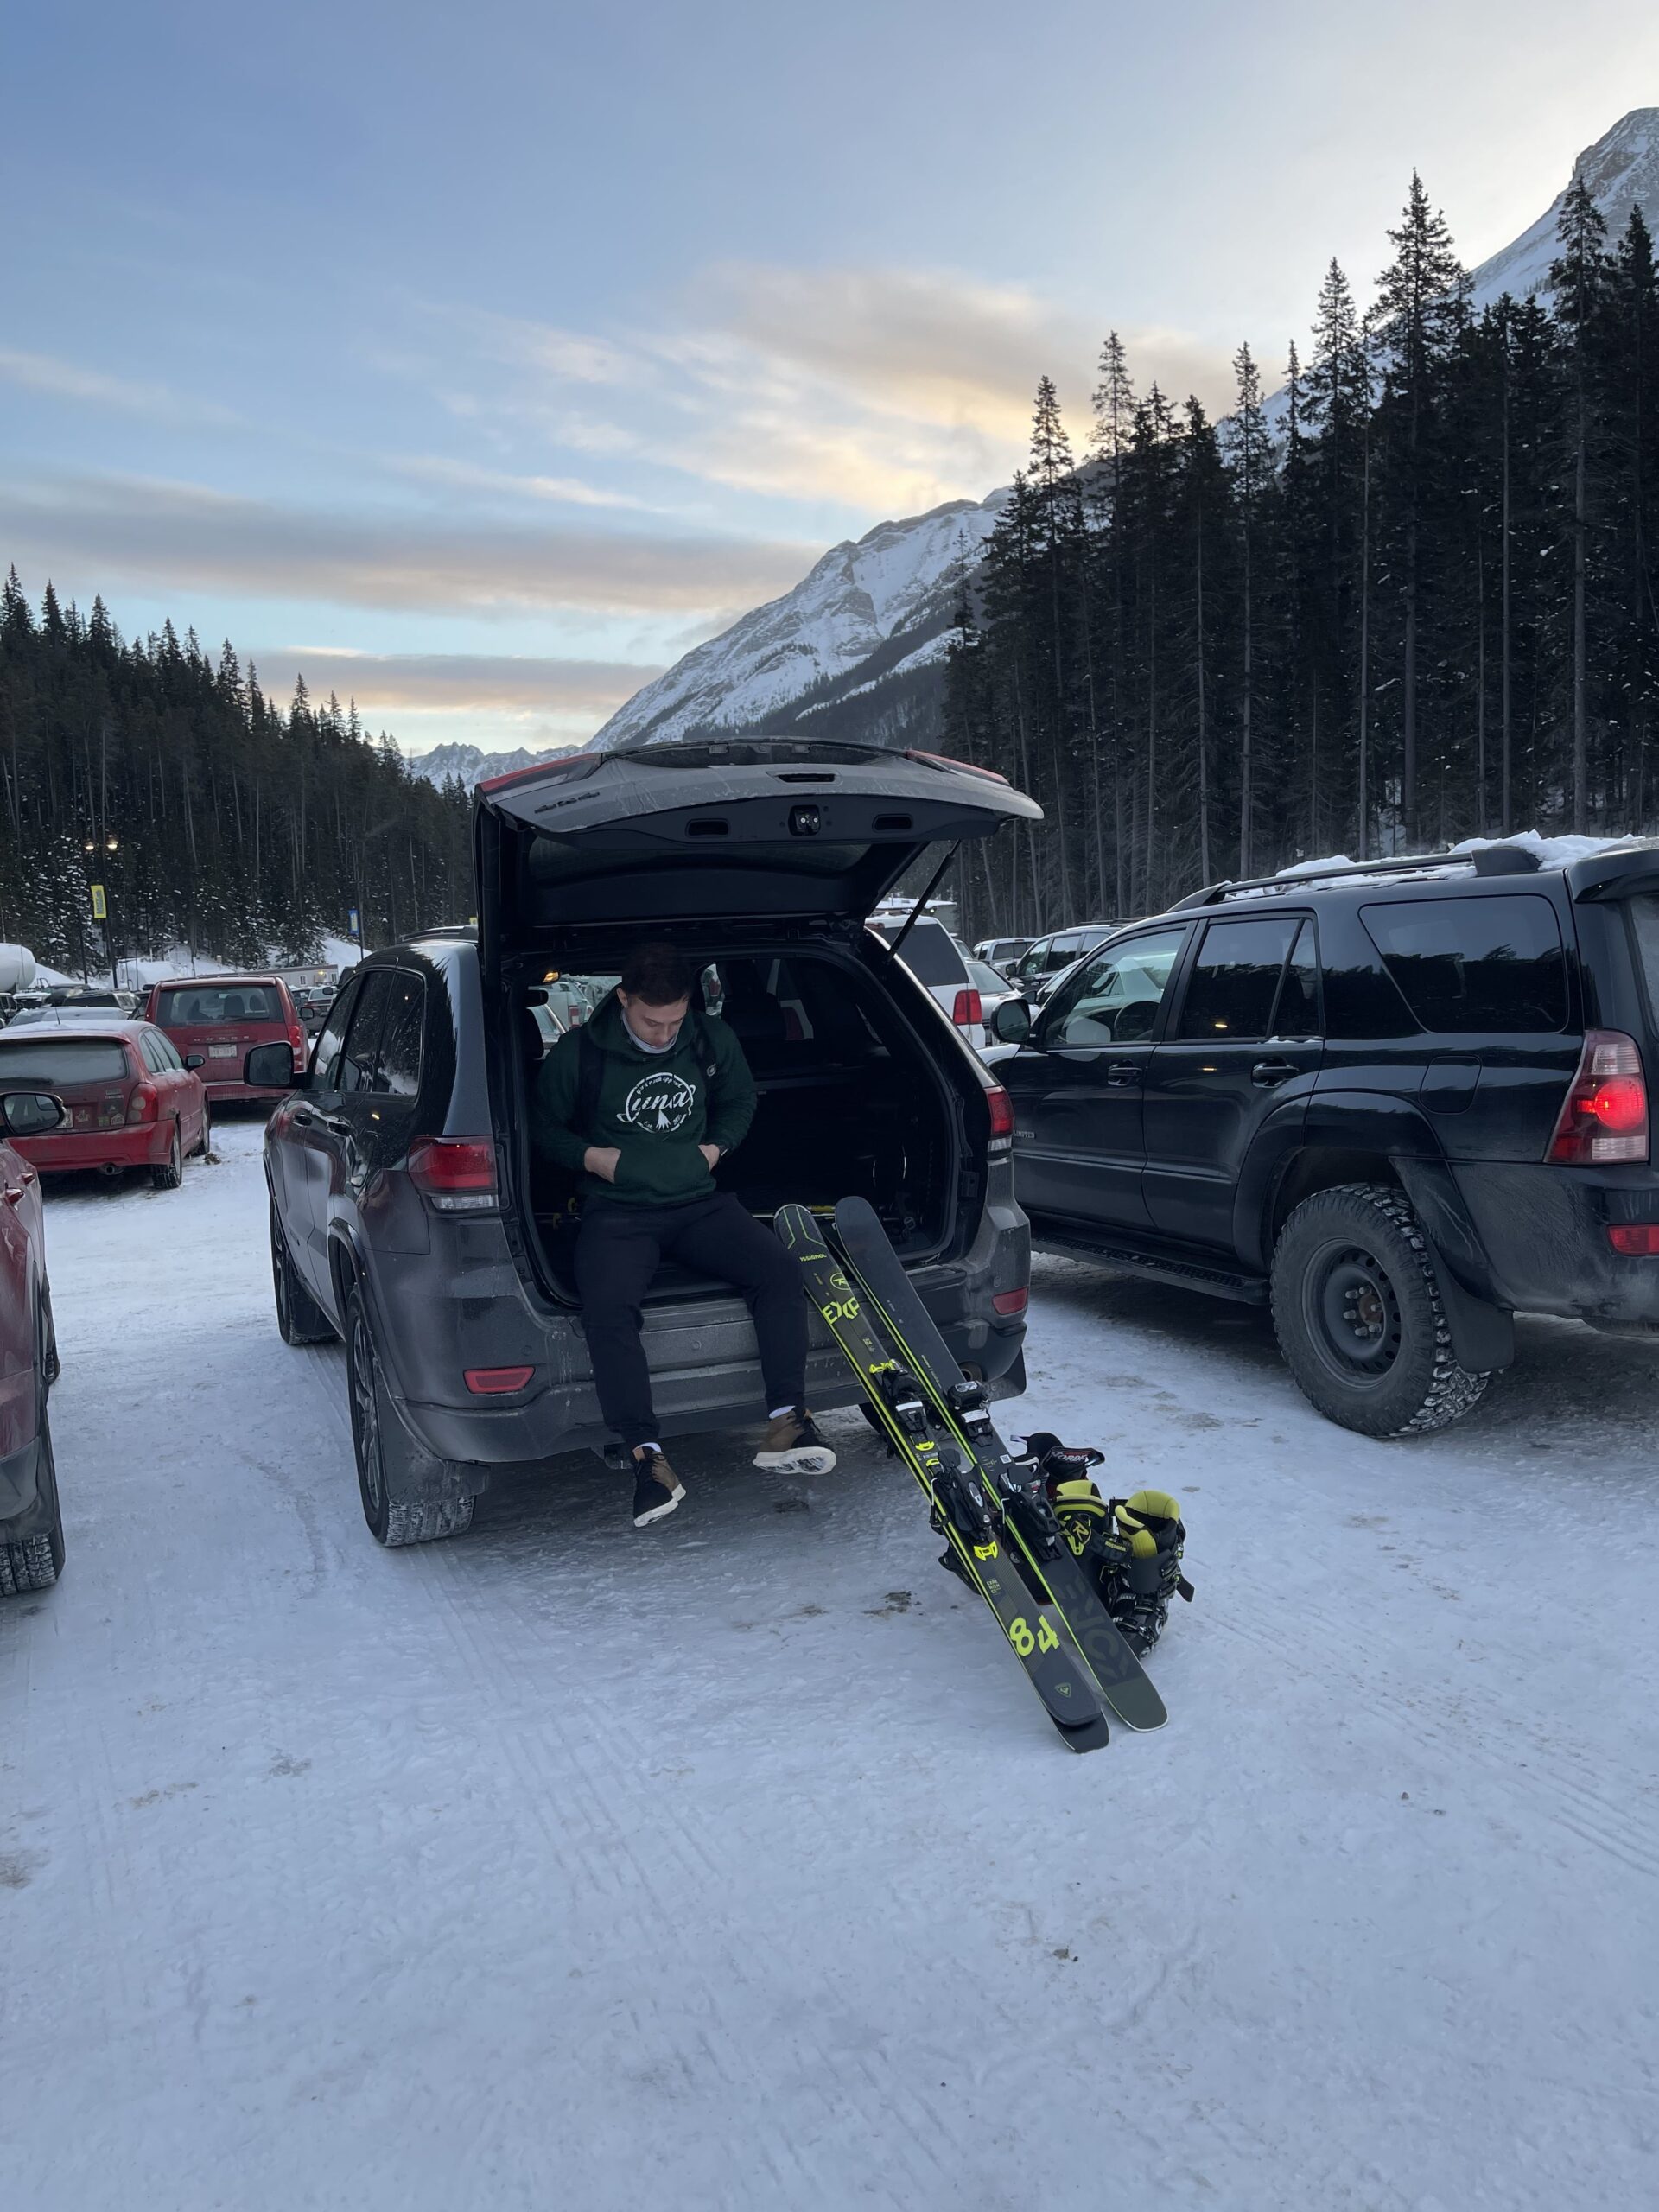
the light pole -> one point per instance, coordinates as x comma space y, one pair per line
91, 846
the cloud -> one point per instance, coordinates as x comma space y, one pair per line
59, 379
447, 683
468, 476
883, 388
114, 528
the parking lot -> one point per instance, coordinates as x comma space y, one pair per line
730, 1863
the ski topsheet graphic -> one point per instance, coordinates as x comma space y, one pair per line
972, 1524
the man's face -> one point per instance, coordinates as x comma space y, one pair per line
654, 1024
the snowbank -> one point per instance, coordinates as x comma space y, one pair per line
1553, 852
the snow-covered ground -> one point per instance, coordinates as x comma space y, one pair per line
733, 1866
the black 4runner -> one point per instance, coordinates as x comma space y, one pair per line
1400, 1103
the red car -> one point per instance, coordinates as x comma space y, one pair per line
130, 1101
31, 1522
216, 1021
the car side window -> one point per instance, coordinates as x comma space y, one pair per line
1031, 965
1114, 999
147, 1049
166, 1050
397, 1064
363, 1036
1235, 980
1472, 964
325, 1061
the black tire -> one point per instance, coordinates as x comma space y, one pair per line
1359, 1317
169, 1176
35, 1562
207, 1144
408, 1496
300, 1319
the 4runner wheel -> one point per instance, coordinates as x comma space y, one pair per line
300, 1319
1359, 1317
207, 1144
408, 1496
168, 1176
35, 1562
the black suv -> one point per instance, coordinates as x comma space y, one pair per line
409, 1217
1400, 1102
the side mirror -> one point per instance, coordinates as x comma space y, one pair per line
271, 1067
31, 1113
195, 1059
1011, 1022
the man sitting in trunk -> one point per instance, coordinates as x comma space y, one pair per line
642, 1102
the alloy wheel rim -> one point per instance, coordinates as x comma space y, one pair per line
366, 1417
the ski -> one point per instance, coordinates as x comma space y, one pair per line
960, 1509
961, 1410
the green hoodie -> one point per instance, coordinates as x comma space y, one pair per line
655, 1108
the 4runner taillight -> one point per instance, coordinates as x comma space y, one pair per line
966, 1012
1605, 1115
454, 1174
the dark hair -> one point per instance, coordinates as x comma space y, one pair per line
658, 975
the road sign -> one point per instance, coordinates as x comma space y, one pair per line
352, 917
100, 910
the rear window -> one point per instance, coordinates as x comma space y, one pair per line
930, 953
62, 1058
1472, 964
213, 1006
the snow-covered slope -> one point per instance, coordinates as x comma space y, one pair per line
472, 765
896, 582
1622, 170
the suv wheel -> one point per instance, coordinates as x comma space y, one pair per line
1359, 1317
300, 1319
408, 1496
36, 1562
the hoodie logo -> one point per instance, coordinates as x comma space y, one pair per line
658, 1102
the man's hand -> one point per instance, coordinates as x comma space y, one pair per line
711, 1154
600, 1160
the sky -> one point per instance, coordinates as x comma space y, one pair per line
479, 360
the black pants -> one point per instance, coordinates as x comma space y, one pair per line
618, 1249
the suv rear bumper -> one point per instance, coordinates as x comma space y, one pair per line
1544, 1233
704, 1364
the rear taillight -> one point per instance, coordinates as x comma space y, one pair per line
1637, 1240
966, 1012
142, 1102
454, 1174
1011, 1301
1605, 1115
1000, 1107
297, 1039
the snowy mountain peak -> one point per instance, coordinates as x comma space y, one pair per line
1622, 170
896, 580
472, 765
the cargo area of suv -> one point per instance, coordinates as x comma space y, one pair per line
850, 1102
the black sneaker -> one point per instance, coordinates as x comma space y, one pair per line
657, 1488
792, 1445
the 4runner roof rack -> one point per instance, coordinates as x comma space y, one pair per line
1486, 859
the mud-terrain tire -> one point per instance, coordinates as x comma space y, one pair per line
1357, 1311
408, 1495
170, 1175
300, 1319
35, 1562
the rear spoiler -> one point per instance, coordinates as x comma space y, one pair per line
1630, 874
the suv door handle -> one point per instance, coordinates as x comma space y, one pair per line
1118, 1072
310, 1119
1270, 1073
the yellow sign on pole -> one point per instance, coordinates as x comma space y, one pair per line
100, 910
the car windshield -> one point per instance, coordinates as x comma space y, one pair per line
50, 1061
984, 977
214, 1006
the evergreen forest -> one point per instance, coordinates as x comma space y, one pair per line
1409, 599
213, 819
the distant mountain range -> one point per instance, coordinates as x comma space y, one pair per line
857, 648
471, 766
